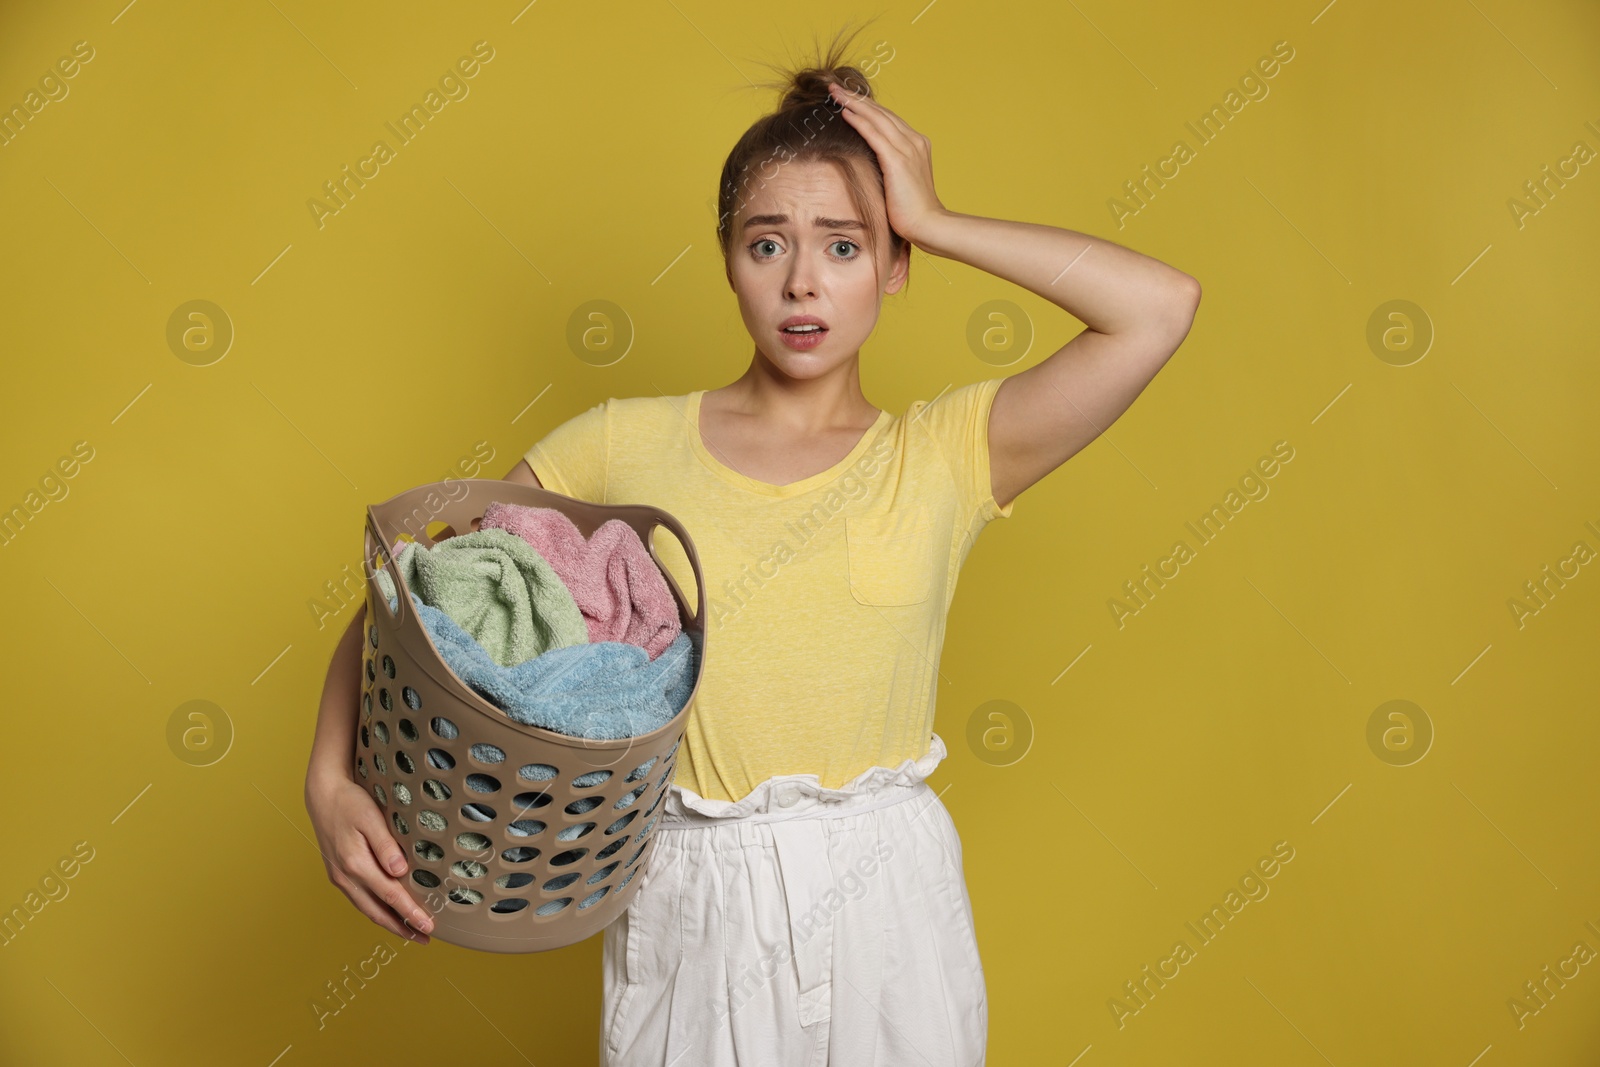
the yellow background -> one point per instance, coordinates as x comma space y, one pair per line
1230, 714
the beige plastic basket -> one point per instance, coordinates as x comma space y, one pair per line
564, 823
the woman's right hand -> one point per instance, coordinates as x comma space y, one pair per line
362, 857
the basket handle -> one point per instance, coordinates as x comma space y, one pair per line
687, 545
401, 593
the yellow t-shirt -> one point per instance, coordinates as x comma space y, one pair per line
825, 598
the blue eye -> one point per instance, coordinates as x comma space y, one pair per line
762, 241
847, 244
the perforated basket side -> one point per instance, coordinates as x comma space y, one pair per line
518, 839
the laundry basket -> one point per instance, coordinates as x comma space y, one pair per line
568, 818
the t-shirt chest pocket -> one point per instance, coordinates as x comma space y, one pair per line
891, 556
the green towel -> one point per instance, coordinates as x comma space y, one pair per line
499, 589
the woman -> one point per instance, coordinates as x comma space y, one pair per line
805, 902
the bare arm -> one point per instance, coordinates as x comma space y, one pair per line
335, 737
1138, 311
361, 856
523, 475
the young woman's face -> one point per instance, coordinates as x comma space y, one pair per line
788, 267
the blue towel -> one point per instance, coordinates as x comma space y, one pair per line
604, 690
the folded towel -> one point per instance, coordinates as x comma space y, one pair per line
603, 690
617, 586
499, 590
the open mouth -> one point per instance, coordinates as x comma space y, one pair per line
804, 336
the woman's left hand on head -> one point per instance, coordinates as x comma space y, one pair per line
905, 155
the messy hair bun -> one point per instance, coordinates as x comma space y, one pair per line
807, 127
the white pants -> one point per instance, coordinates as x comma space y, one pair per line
799, 927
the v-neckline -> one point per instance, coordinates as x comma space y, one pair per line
744, 481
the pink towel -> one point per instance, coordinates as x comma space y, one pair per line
618, 587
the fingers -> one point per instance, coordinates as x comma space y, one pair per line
390, 889
881, 129
866, 105
385, 850
379, 912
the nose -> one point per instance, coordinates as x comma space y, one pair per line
799, 282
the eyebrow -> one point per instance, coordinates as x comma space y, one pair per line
821, 222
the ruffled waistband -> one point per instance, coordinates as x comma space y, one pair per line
802, 796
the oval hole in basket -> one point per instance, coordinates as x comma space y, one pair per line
484, 752
519, 854
594, 898
474, 843
439, 530
629, 798
468, 869
529, 801
478, 812
505, 907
